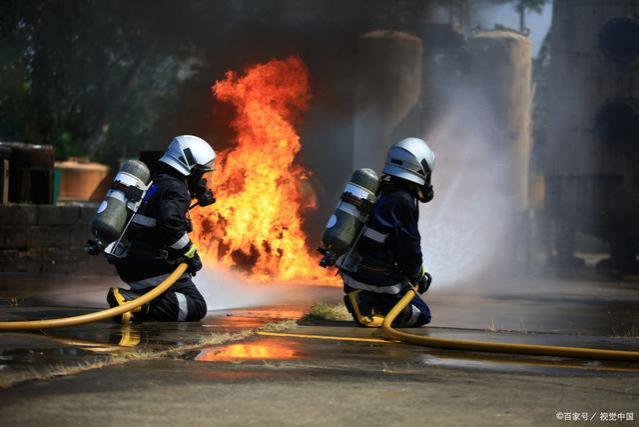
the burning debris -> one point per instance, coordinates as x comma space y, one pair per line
256, 225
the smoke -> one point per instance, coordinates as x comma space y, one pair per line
467, 228
226, 290
223, 289
72, 291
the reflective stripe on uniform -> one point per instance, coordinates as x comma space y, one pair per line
152, 281
183, 307
182, 242
356, 284
191, 252
375, 235
414, 316
351, 210
144, 220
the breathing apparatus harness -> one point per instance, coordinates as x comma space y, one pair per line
365, 206
351, 261
134, 195
119, 207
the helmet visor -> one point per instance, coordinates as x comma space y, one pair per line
208, 167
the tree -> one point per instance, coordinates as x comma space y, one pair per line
71, 69
522, 7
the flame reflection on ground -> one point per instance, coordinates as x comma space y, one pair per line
263, 349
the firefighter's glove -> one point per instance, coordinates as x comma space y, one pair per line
192, 259
423, 281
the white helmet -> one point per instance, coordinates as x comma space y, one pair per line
187, 153
410, 159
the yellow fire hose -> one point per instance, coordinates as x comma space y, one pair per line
390, 332
98, 315
495, 347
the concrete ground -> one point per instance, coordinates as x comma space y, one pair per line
250, 366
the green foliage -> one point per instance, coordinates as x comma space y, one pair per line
522, 7
536, 6
75, 72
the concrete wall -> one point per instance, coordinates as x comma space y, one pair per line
582, 79
47, 239
592, 179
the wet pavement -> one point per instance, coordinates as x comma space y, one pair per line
249, 366
41, 354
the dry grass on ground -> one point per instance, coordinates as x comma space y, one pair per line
323, 311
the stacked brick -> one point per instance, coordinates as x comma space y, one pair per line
47, 239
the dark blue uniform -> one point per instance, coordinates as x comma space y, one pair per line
387, 256
158, 235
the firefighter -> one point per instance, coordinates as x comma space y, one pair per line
159, 236
389, 255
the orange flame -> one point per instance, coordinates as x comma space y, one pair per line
256, 223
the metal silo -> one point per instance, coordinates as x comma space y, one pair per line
500, 75
389, 80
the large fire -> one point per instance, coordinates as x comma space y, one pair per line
256, 223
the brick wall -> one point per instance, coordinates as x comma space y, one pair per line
47, 239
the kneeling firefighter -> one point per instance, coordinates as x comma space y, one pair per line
157, 239
386, 258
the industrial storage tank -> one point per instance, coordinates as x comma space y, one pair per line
389, 81
500, 67
82, 180
591, 155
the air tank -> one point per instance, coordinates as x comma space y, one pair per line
351, 213
500, 72
121, 201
